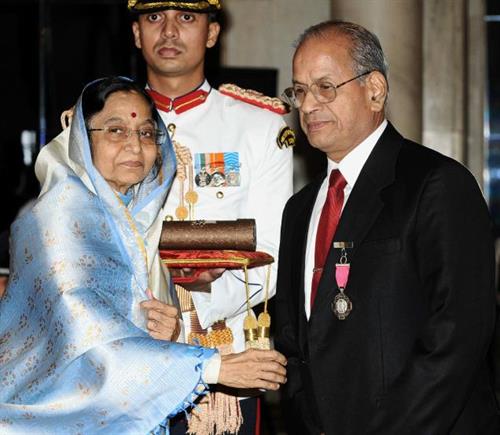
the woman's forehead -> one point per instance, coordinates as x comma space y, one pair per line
126, 106
126, 99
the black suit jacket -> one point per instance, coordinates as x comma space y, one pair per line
411, 356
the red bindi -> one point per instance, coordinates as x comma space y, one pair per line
133, 114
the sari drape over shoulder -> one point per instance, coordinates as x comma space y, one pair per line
75, 356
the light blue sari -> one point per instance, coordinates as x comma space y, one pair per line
75, 356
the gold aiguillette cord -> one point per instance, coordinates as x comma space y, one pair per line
183, 156
257, 332
264, 320
191, 196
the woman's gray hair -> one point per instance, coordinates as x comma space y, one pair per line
366, 51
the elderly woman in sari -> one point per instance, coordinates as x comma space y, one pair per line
82, 340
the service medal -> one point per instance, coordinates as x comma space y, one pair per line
341, 305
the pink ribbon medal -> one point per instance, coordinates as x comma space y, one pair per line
342, 305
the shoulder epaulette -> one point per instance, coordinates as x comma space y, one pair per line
255, 98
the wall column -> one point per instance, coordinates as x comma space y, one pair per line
398, 24
476, 85
444, 76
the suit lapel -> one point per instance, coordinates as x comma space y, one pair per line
300, 235
362, 208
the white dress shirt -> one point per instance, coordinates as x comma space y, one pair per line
211, 370
350, 167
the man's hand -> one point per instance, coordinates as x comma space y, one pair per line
202, 281
253, 369
163, 319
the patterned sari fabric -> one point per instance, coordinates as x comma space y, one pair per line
75, 356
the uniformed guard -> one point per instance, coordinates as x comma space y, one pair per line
234, 155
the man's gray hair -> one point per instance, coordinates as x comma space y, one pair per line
366, 51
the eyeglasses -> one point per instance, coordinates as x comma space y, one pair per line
119, 133
323, 91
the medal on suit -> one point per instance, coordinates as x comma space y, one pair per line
342, 305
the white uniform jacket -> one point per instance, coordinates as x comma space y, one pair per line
259, 184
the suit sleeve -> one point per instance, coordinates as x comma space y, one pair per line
270, 188
286, 338
455, 259
298, 402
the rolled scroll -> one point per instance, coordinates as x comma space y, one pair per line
236, 235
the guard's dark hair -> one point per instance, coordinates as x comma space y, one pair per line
214, 17
366, 50
96, 93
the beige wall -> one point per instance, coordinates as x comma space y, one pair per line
443, 75
398, 24
453, 71
436, 52
262, 32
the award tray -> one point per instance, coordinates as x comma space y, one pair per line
203, 259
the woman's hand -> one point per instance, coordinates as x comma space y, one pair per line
163, 319
253, 369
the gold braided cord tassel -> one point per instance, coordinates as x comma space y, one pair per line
257, 331
217, 412
184, 160
185, 300
199, 423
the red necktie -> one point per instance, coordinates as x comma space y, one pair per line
328, 222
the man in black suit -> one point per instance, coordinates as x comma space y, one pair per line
387, 330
